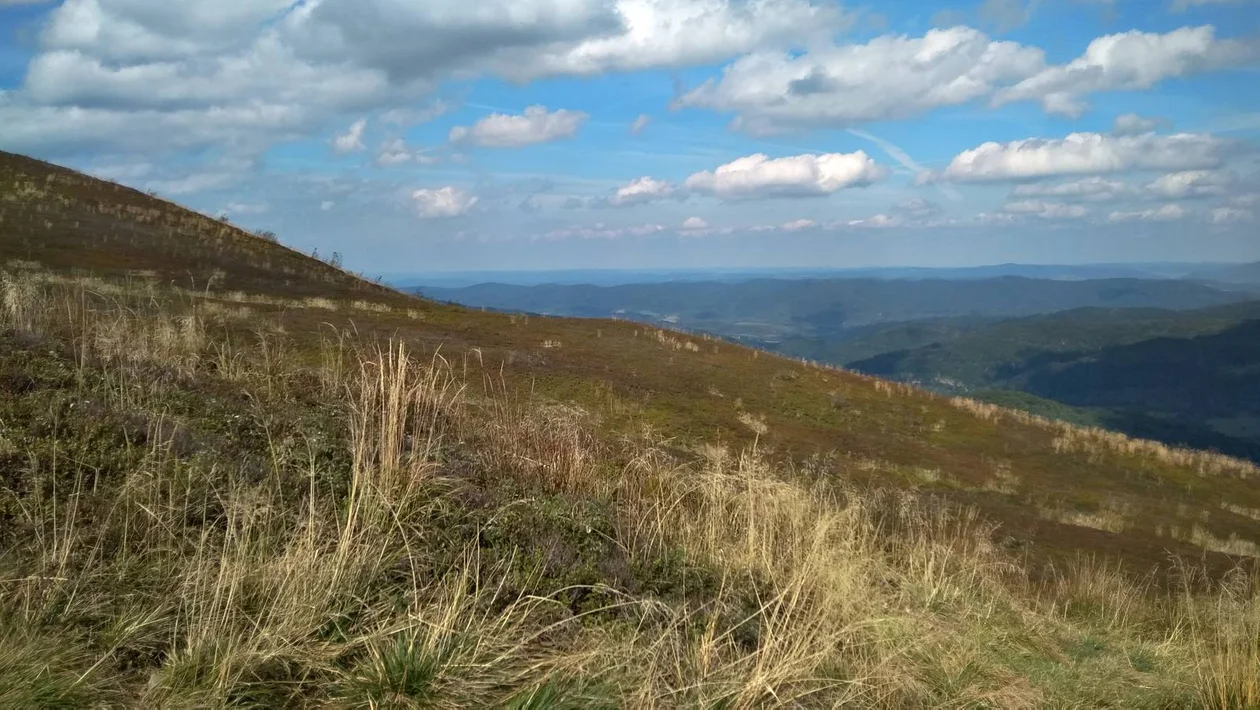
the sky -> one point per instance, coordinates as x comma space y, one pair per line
430, 135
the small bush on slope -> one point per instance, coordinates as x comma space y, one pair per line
200, 511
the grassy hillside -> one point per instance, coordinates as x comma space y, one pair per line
241, 493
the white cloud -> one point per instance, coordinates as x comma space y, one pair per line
1086, 153
1130, 124
879, 221
640, 123
601, 231
889, 77
642, 191
758, 176
352, 140
1093, 189
1185, 184
393, 152
798, 225
698, 227
648, 34
536, 125
527, 39
1046, 210
1227, 215
129, 30
327, 205
1164, 213
396, 152
1192, 183
443, 202
1128, 61
147, 77
997, 219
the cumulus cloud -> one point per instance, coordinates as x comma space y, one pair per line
1164, 213
1046, 210
758, 176
147, 76
697, 227
352, 140
396, 152
536, 125
1128, 61
326, 205
1192, 183
1086, 153
1184, 184
642, 191
889, 77
649, 34
1130, 124
441, 202
640, 123
526, 39
1093, 189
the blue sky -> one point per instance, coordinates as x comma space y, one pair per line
426, 135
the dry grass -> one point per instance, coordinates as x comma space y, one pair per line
1095, 442
384, 531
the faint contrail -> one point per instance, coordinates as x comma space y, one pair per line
906, 161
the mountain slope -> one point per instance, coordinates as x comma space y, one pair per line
66, 220
217, 497
1180, 377
689, 388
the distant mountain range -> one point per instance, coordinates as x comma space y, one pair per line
769, 309
1189, 378
1230, 274
622, 277
1171, 359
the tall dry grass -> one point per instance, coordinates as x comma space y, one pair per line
363, 579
